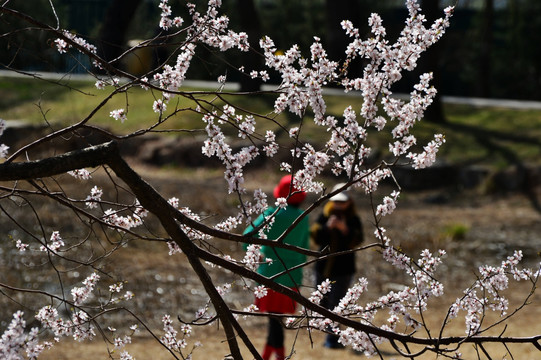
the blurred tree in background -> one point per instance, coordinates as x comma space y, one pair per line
491, 50
32, 54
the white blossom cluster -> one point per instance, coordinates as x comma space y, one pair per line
216, 145
224, 289
388, 205
103, 82
210, 29
3, 151
112, 217
253, 256
165, 21
62, 46
3, 147
301, 88
170, 338
15, 343
81, 174
79, 325
81, 294
401, 305
56, 243
321, 290
94, 198
121, 342
345, 153
119, 114
486, 293
21, 246
260, 291
128, 222
194, 235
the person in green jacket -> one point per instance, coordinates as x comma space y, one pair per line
275, 302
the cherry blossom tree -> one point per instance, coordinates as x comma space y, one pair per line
107, 221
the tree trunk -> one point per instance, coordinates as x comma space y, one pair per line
112, 35
430, 62
337, 40
485, 50
249, 21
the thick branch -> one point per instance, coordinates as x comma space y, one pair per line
156, 204
100, 155
89, 157
355, 324
148, 197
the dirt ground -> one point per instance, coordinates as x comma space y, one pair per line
309, 346
474, 229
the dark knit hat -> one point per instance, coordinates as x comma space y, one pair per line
282, 190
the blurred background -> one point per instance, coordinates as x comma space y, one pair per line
489, 53
491, 49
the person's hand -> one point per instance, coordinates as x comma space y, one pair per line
331, 221
335, 222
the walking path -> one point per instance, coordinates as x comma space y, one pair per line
479, 102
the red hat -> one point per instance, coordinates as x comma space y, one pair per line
282, 190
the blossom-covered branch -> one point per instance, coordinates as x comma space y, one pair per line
344, 151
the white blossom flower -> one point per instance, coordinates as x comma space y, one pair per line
94, 198
119, 114
260, 291
159, 106
100, 84
281, 202
21, 246
3, 151
81, 174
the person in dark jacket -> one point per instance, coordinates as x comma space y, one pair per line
337, 229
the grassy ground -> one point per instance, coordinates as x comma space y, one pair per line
474, 135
